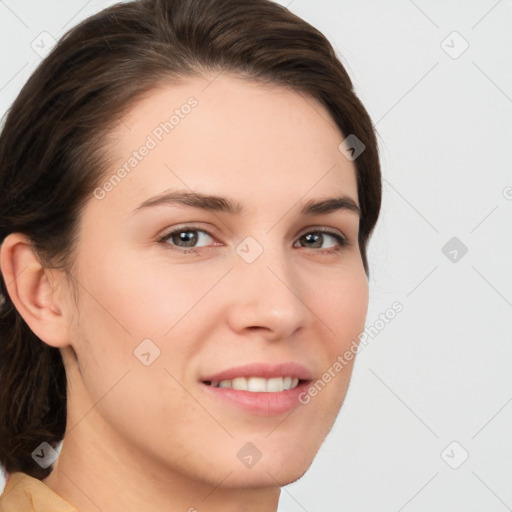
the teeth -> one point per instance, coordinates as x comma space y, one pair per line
239, 383
258, 384
275, 384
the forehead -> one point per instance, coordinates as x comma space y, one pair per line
228, 136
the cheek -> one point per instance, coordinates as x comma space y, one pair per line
127, 302
349, 311
342, 310
140, 301
341, 303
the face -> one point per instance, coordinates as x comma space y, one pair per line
173, 295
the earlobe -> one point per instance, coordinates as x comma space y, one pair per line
31, 291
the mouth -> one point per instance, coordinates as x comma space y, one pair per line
257, 384
262, 390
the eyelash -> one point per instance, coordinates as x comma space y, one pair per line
342, 241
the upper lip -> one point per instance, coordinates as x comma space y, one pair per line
267, 371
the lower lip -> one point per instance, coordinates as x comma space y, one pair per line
260, 403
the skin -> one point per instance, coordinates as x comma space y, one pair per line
165, 444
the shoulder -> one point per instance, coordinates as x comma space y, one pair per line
23, 492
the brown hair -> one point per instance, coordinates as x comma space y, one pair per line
54, 152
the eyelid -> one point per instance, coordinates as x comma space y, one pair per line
343, 242
196, 226
323, 229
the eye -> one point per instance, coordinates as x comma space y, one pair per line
186, 237
315, 239
185, 240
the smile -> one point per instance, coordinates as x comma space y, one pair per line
258, 384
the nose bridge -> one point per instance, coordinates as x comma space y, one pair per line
268, 293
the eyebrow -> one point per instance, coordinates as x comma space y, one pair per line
224, 204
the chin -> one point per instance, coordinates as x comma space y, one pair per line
266, 476
276, 467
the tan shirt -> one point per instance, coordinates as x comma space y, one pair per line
23, 493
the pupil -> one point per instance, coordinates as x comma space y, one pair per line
310, 237
188, 237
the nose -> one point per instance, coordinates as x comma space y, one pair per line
268, 296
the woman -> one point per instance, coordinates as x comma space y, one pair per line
188, 190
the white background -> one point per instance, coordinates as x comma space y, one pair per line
440, 371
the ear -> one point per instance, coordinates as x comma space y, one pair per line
32, 291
